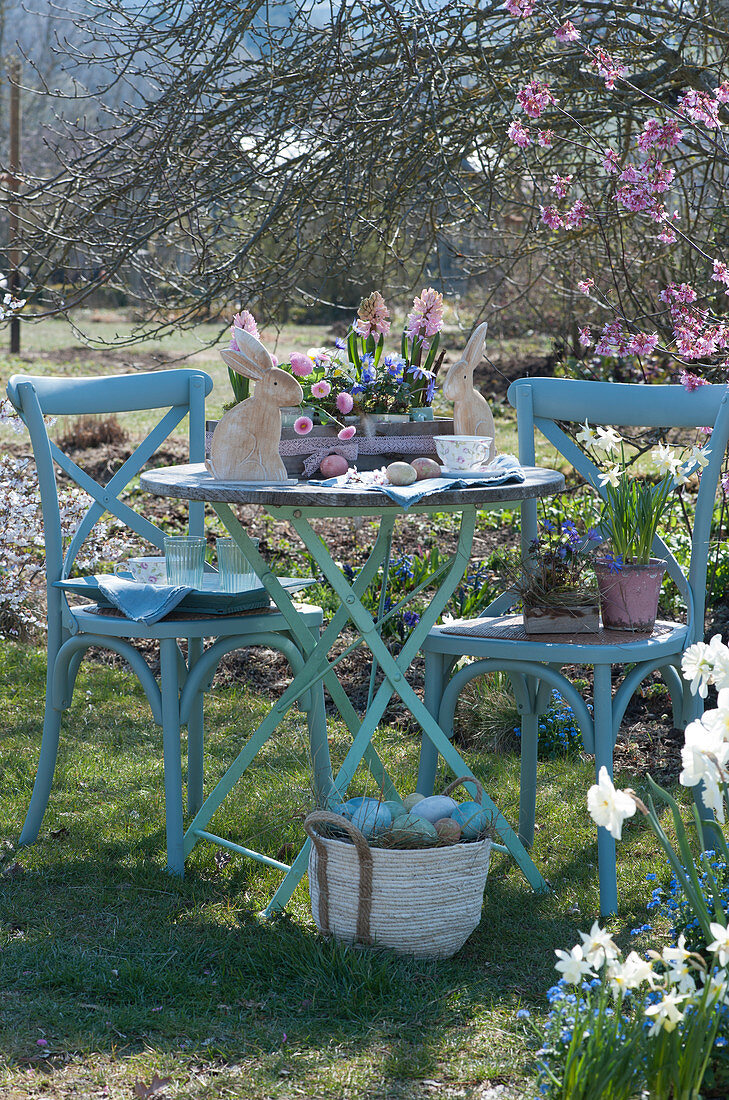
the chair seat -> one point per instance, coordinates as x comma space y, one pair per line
504, 635
93, 619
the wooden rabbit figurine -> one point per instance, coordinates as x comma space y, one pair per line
471, 412
245, 442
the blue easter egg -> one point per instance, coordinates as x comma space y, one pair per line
435, 807
472, 818
372, 818
348, 808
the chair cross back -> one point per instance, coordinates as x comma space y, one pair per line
182, 392
545, 403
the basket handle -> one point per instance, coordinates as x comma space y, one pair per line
462, 780
364, 855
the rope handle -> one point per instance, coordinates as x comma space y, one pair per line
364, 855
461, 781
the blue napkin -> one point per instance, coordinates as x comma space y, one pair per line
504, 468
144, 603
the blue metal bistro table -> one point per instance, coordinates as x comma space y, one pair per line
299, 504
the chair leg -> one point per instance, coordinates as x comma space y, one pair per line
195, 736
603, 718
172, 755
44, 774
324, 790
528, 778
435, 671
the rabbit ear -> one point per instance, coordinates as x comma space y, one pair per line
254, 361
236, 362
474, 345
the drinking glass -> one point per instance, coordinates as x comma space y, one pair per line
235, 571
185, 559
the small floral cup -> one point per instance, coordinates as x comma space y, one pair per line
146, 570
462, 452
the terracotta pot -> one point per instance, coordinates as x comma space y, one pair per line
629, 598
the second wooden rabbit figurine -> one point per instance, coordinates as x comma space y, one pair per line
246, 440
471, 412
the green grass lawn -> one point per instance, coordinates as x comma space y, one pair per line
124, 972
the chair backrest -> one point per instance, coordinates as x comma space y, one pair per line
180, 392
542, 403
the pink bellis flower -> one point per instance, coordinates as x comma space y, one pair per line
345, 402
303, 425
346, 433
321, 389
301, 365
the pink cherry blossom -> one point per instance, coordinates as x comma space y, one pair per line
610, 162
585, 336
551, 216
722, 92
700, 107
720, 273
585, 285
301, 365
659, 135
643, 343
691, 381
321, 389
303, 425
545, 138
576, 215
567, 32
345, 402
606, 66
518, 134
346, 433
612, 340
561, 185
534, 98
519, 8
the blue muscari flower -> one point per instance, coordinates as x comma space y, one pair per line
411, 618
348, 571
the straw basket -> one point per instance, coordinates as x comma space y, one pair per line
423, 901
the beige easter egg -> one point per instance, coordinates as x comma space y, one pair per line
401, 473
448, 830
412, 800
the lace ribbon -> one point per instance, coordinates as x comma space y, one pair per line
317, 448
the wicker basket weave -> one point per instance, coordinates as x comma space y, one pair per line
424, 901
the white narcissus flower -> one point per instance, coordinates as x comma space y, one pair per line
720, 660
608, 440
667, 1013
700, 456
702, 751
587, 436
611, 476
697, 665
572, 965
630, 974
609, 807
598, 946
664, 459
720, 946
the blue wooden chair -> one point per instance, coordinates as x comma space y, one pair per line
498, 641
178, 700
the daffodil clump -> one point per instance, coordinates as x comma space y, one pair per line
633, 505
620, 1028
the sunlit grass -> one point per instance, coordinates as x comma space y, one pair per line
124, 971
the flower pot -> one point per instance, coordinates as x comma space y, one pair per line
629, 596
579, 618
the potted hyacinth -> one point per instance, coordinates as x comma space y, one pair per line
358, 377
629, 578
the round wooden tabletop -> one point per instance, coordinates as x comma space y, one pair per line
194, 482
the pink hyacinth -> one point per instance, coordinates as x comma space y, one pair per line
321, 389
301, 365
427, 316
247, 322
303, 425
519, 135
345, 402
372, 316
346, 433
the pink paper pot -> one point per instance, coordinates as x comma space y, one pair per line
629, 598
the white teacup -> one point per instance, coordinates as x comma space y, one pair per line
146, 570
463, 452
